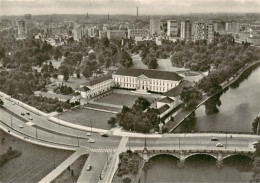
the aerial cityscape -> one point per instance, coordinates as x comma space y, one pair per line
129, 91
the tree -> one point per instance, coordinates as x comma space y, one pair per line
141, 104
190, 96
112, 121
255, 124
256, 164
65, 72
1, 103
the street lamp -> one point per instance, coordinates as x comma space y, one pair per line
36, 134
226, 141
78, 139
91, 126
179, 142
11, 121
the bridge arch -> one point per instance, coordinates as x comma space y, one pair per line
161, 154
195, 154
250, 156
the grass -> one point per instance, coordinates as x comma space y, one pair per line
34, 163
11, 154
120, 99
84, 116
72, 173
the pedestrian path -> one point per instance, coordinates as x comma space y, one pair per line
65, 164
103, 150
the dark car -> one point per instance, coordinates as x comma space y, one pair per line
22, 114
104, 135
28, 113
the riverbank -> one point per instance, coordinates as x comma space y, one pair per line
183, 114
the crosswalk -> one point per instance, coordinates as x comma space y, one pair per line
103, 150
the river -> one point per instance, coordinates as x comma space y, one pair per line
199, 168
233, 110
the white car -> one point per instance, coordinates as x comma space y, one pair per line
91, 141
88, 134
88, 168
219, 145
30, 118
20, 126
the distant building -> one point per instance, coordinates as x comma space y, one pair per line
116, 34
199, 31
203, 31
27, 17
102, 34
22, 28
155, 26
77, 33
91, 32
146, 80
172, 28
186, 30
254, 36
209, 32
132, 33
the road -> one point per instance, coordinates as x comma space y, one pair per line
42, 130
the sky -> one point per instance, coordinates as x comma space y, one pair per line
146, 7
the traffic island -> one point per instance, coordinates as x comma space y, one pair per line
129, 167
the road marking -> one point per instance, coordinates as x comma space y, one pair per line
102, 150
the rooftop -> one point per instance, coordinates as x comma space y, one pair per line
176, 91
154, 74
163, 108
167, 100
98, 80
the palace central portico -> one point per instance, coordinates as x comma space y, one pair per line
146, 80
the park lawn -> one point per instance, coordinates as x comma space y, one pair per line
84, 116
34, 163
120, 99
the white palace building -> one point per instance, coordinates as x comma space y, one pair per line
146, 80
141, 80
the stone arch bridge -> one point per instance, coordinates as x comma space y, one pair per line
182, 155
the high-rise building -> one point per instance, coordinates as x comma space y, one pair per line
22, 28
186, 30
199, 31
228, 27
91, 32
209, 32
172, 28
155, 28
203, 31
77, 33
254, 37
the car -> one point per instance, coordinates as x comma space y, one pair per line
214, 139
20, 126
88, 168
91, 141
254, 143
13, 103
28, 113
30, 118
219, 145
104, 135
22, 114
88, 134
